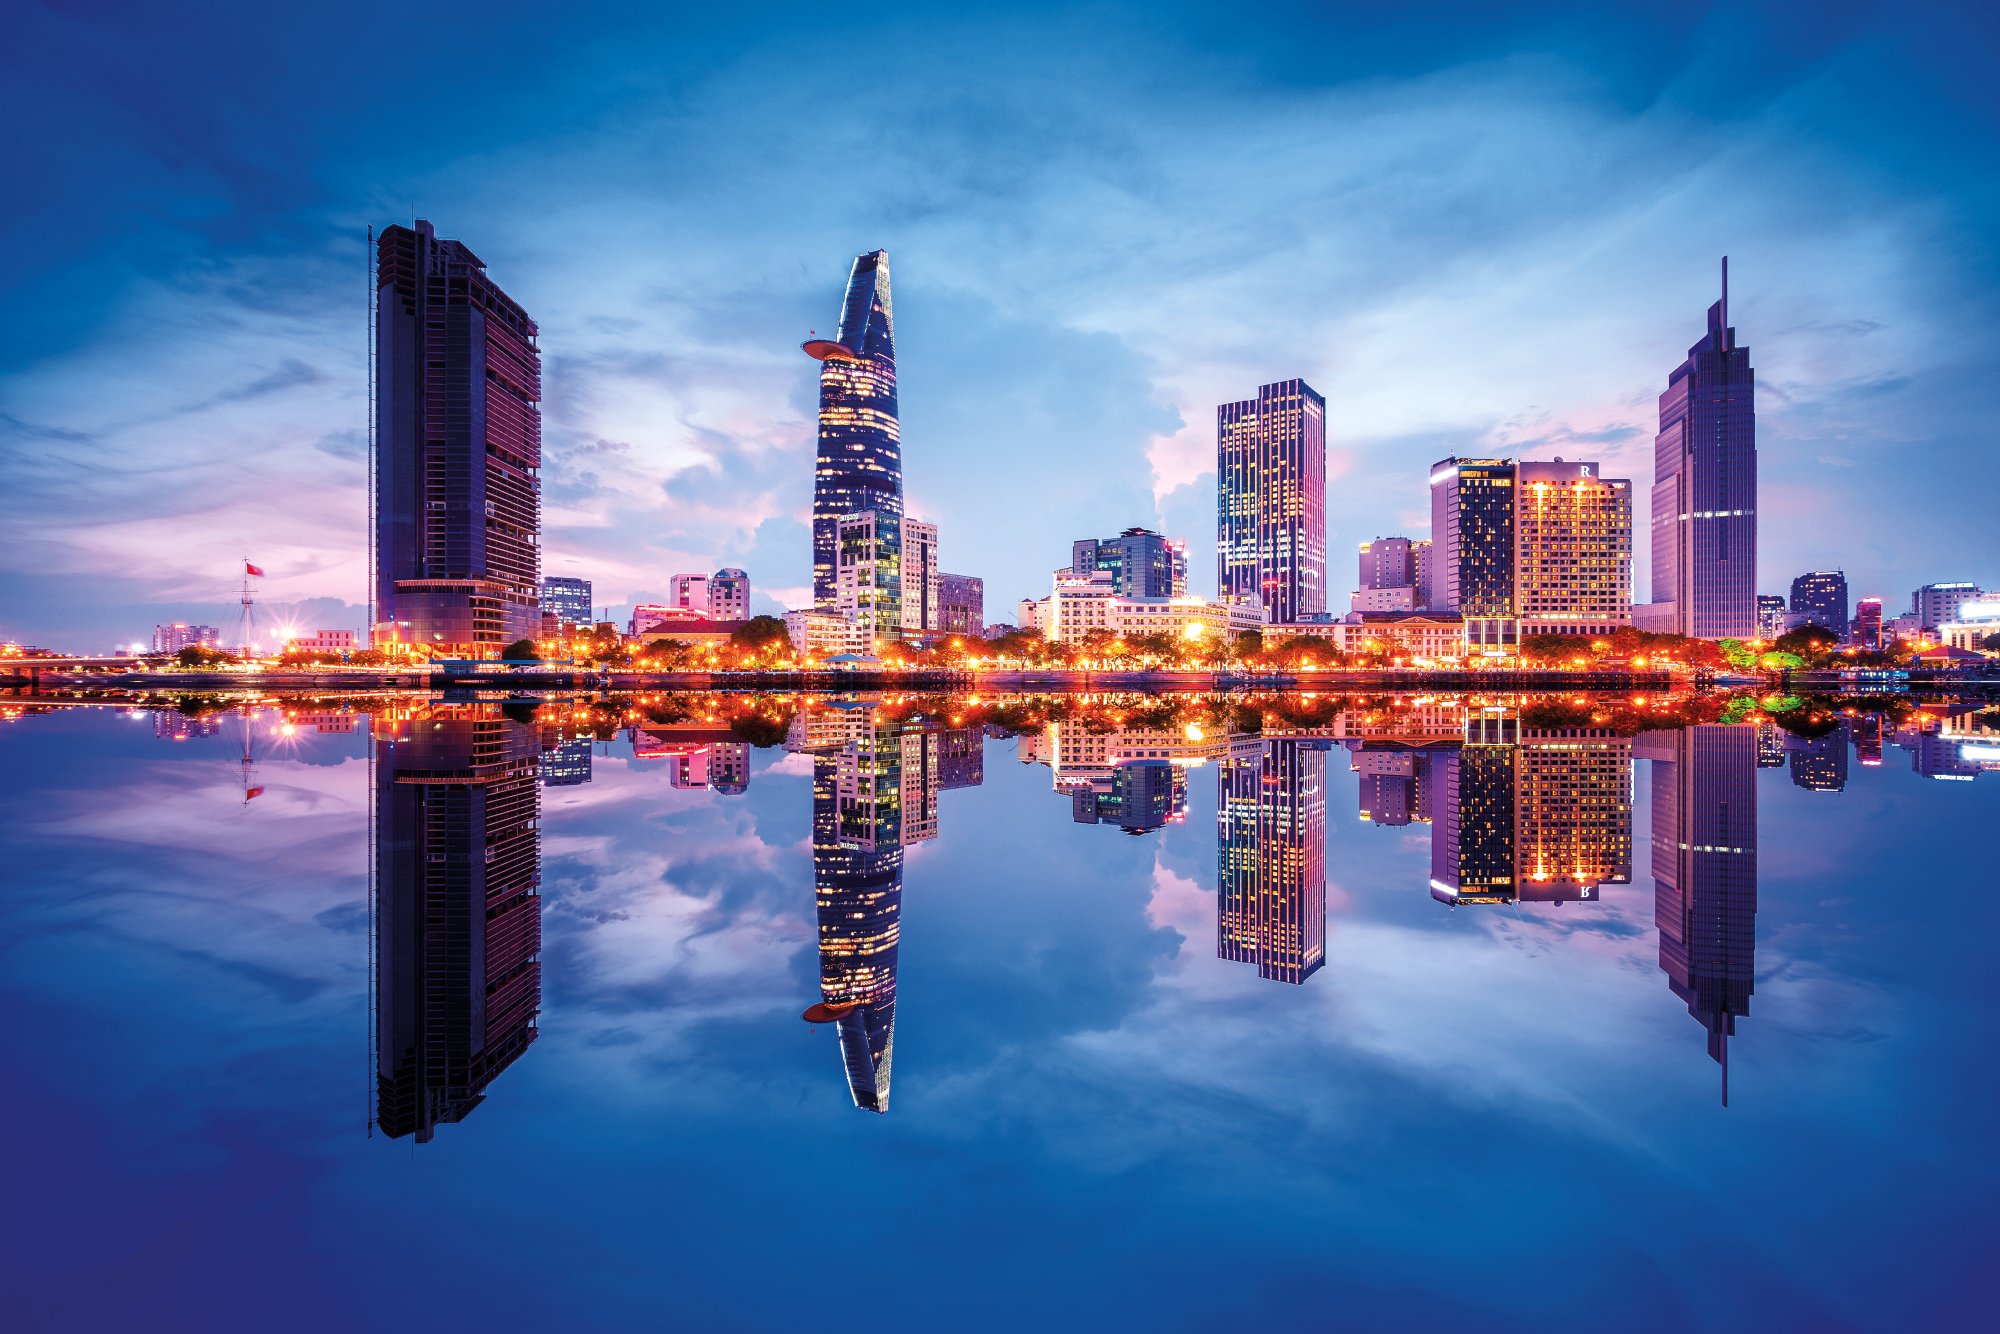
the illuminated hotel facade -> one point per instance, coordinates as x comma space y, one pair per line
459, 445
458, 912
1271, 500
860, 460
1271, 860
1704, 504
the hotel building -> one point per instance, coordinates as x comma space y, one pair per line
1271, 500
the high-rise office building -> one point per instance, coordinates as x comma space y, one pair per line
1472, 535
459, 444
1271, 860
868, 585
689, 592
1705, 490
1472, 837
1572, 549
860, 465
173, 638
1820, 599
1937, 604
729, 595
1866, 629
921, 612
1141, 562
459, 919
1770, 615
1138, 797
962, 605
1271, 499
1394, 575
567, 599
566, 763
1704, 808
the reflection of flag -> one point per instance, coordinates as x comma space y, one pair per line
253, 792
248, 568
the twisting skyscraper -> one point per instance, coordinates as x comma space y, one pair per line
1270, 465
860, 465
1705, 490
458, 501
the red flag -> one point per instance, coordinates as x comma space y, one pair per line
253, 792
248, 568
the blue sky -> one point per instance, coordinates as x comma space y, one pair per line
1472, 229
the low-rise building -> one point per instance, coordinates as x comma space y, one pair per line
823, 634
1422, 634
323, 641
173, 638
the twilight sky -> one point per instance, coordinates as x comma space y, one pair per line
1471, 231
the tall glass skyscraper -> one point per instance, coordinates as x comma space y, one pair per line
458, 502
1705, 489
1270, 465
860, 466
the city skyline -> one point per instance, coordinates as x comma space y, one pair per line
677, 422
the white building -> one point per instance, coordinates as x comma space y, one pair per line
323, 641
1976, 621
920, 578
173, 638
821, 634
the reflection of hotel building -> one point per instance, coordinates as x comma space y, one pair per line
1819, 763
458, 917
1271, 860
1531, 816
875, 784
566, 763
1705, 872
1395, 785
722, 766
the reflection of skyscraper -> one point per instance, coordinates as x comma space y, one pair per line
1395, 785
458, 918
1705, 872
720, 766
1539, 816
875, 784
1770, 746
1138, 798
1819, 763
1271, 860
567, 763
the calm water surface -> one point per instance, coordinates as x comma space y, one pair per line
1409, 1015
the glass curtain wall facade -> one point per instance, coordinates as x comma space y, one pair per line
1472, 526
1705, 487
860, 462
459, 448
1144, 564
1271, 499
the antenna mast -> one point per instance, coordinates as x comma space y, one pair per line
372, 485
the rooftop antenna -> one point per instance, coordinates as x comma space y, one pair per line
1725, 292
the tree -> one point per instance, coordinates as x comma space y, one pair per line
521, 650
1248, 645
1808, 641
1551, 648
1991, 643
759, 634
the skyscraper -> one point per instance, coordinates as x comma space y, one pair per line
458, 500
1271, 860
860, 465
1271, 499
1818, 763
1705, 872
459, 920
1472, 535
1820, 598
1705, 490
919, 578
1141, 562
1866, 631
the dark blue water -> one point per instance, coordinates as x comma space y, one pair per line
1089, 1059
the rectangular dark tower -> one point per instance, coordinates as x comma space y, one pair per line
459, 439
1705, 489
1270, 470
1271, 861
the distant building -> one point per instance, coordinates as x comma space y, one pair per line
1935, 605
1818, 764
173, 638
1271, 499
1704, 504
1394, 575
1077, 609
1385, 599
567, 599
1141, 562
961, 605
688, 591
323, 641
1770, 615
1393, 634
1820, 598
1866, 630
567, 763
459, 431
720, 766
1976, 623
729, 595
